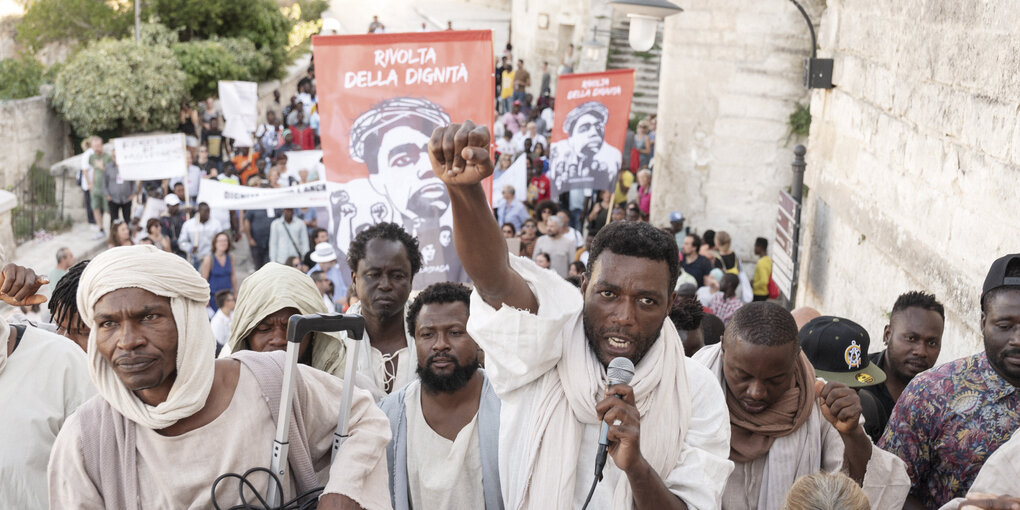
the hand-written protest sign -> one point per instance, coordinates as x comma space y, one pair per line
380, 98
231, 196
150, 157
239, 99
589, 130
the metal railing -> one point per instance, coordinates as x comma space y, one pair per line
40, 203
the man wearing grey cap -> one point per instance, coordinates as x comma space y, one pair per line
584, 159
391, 140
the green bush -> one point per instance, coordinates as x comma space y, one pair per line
73, 20
312, 10
207, 62
20, 77
120, 86
258, 21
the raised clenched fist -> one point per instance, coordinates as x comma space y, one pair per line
460, 154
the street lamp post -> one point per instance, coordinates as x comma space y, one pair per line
644, 18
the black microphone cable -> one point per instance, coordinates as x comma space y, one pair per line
308, 500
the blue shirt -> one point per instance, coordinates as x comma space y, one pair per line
513, 213
339, 288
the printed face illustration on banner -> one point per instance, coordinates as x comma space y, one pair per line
380, 98
589, 130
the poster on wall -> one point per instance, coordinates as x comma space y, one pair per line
380, 98
589, 130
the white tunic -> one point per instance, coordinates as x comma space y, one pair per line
46, 378
441, 473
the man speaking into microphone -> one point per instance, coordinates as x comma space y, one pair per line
547, 348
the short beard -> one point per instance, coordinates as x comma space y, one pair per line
446, 383
593, 335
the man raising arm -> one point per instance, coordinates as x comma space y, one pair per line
547, 349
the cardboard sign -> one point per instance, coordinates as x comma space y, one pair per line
150, 157
239, 100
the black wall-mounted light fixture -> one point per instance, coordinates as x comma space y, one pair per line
817, 71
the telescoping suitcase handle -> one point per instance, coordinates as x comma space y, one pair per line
297, 327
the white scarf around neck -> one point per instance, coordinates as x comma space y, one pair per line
163, 274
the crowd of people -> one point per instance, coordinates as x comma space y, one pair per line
156, 371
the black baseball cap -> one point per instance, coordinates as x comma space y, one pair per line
997, 276
838, 349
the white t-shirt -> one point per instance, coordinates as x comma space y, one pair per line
86, 168
45, 380
221, 327
441, 473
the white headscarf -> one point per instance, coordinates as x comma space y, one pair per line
163, 274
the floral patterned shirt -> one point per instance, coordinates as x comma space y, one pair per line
947, 422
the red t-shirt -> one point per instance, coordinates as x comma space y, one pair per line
541, 183
304, 137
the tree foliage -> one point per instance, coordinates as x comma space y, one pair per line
20, 77
73, 20
258, 21
206, 62
120, 86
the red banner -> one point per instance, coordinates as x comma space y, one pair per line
589, 130
380, 96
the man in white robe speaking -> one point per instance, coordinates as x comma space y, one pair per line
169, 419
547, 348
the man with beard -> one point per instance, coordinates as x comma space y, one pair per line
784, 422
547, 347
950, 419
391, 139
169, 419
584, 159
445, 425
913, 340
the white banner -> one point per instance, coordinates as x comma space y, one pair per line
232, 196
305, 160
150, 157
516, 176
239, 100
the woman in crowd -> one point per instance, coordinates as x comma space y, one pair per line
543, 261
543, 211
705, 293
529, 233
644, 189
726, 302
218, 268
120, 235
539, 159
155, 232
726, 259
508, 230
643, 145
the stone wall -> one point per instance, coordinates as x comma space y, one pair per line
914, 159
26, 126
731, 76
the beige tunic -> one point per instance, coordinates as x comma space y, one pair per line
885, 482
441, 473
178, 471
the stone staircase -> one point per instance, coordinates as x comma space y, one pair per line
646, 67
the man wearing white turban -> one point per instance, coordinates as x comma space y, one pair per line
169, 418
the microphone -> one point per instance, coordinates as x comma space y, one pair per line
620, 371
